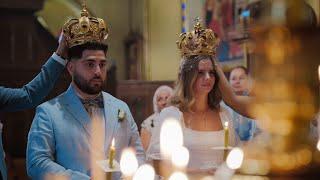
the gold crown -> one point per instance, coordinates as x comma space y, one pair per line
198, 42
85, 29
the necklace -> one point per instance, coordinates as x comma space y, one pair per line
203, 118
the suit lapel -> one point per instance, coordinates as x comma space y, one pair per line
111, 115
76, 109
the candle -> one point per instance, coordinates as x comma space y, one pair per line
112, 152
226, 140
318, 115
319, 77
226, 135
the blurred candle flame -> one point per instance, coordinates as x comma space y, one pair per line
144, 172
318, 145
235, 158
178, 176
171, 137
128, 162
319, 72
112, 143
180, 157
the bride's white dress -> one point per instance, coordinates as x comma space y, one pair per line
203, 146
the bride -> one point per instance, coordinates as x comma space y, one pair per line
196, 103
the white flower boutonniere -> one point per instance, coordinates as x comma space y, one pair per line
121, 115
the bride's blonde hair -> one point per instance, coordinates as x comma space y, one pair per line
183, 94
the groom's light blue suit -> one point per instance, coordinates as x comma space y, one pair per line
59, 138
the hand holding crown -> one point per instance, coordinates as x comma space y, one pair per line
62, 49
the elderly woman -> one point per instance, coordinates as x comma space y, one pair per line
195, 103
160, 100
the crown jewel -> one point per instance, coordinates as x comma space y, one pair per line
85, 29
198, 42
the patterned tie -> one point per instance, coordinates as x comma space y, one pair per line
94, 108
93, 104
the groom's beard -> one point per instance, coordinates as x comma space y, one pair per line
88, 86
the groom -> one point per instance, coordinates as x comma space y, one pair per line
70, 132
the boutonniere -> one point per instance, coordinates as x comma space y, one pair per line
121, 115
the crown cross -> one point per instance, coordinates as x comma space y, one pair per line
197, 26
84, 4
84, 11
